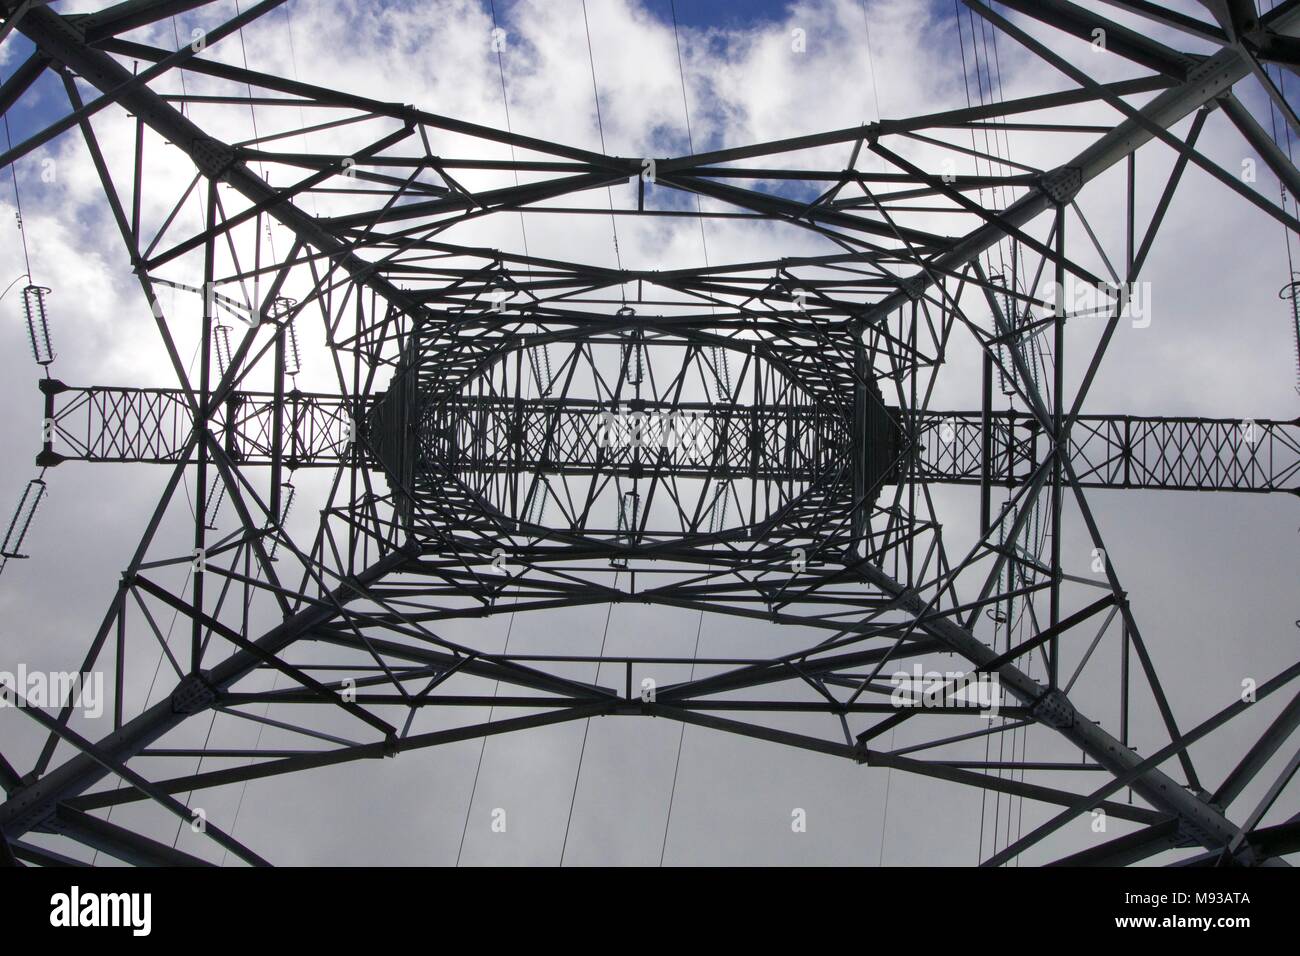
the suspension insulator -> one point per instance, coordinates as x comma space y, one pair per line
38, 323
287, 491
1291, 291
1295, 338
221, 346
216, 495
634, 362
539, 357
628, 512
535, 506
292, 356
632, 353
536, 509
721, 375
629, 506
1006, 370
22, 521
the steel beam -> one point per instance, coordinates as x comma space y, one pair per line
1207, 81
65, 41
1198, 819
32, 806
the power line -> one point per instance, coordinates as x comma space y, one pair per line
681, 738
586, 727
600, 125
505, 103
483, 740
18, 202
690, 140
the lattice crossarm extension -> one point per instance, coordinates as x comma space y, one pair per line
1117, 451
154, 426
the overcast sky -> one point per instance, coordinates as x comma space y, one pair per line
1212, 578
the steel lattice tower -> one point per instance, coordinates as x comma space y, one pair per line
512, 431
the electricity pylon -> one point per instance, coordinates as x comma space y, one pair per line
515, 431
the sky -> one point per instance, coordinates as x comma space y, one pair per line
1211, 577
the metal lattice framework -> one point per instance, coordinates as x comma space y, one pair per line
516, 432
